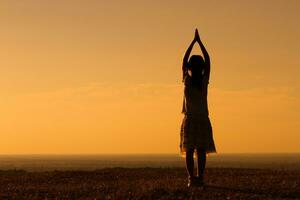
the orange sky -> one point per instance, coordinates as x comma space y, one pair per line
105, 76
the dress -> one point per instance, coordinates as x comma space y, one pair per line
196, 129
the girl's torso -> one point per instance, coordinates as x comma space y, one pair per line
195, 99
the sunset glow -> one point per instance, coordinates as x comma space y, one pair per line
101, 76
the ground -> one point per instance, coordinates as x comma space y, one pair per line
149, 183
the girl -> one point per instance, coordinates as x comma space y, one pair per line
196, 131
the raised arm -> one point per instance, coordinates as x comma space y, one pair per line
186, 58
206, 56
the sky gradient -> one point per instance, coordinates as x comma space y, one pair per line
105, 76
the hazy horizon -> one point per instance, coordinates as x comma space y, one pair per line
94, 162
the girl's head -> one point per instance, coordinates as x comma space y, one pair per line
196, 67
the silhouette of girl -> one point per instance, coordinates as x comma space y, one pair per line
196, 131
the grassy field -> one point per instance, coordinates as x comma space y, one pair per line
149, 183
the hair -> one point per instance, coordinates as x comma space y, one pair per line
196, 66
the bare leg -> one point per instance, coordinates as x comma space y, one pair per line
189, 161
201, 159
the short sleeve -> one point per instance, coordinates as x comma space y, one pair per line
206, 80
184, 75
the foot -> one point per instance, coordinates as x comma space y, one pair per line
191, 182
198, 180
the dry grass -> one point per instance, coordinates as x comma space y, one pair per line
149, 183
